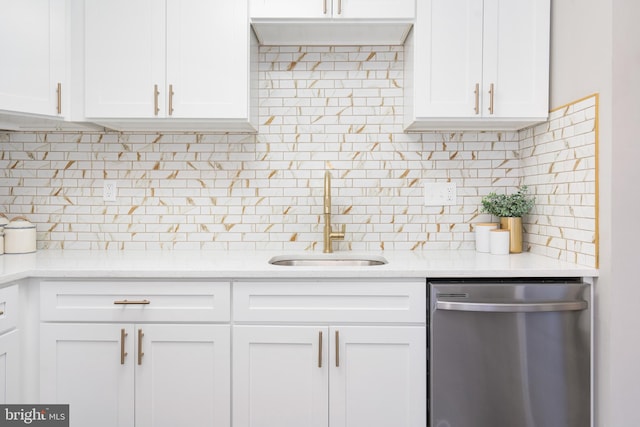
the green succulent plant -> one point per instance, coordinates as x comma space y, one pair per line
513, 205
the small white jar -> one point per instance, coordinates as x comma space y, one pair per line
19, 236
482, 235
499, 242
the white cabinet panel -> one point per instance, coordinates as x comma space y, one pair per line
117, 301
309, 301
32, 48
183, 377
516, 50
280, 376
81, 366
378, 376
8, 308
10, 384
124, 57
207, 58
348, 9
374, 9
290, 8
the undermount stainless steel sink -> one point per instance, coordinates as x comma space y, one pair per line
333, 260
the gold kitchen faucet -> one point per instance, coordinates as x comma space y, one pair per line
329, 235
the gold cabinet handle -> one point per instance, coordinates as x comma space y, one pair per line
156, 93
339, 7
477, 95
2, 314
140, 352
59, 93
324, 10
127, 302
337, 349
171, 100
320, 349
123, 353
491, 93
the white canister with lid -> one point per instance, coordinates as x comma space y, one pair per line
19, 236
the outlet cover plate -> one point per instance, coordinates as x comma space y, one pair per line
110, 191
439, 193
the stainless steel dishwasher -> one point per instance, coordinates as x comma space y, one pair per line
509, 353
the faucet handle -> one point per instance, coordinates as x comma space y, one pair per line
338, 235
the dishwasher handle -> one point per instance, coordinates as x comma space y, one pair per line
511, 307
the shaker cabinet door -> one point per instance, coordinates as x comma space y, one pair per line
32, 48
124, 58
280, 376
378, 376
91, 368
183, 375
207, 57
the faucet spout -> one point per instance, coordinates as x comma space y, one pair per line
328, 235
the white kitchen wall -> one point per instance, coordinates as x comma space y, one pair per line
321, 108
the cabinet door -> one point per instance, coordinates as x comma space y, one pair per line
124, 58
183, 375
450, 41
280, 376
290, 8
10, 367
32, 48
516, 58
378, 376
82, 365
374, 9
207, 59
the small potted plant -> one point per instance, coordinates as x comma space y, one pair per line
510, 209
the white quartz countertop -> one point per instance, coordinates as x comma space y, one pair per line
255, 265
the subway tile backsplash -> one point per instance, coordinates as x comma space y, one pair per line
321, 108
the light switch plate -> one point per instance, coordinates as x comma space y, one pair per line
439, 193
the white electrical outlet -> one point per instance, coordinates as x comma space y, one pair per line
110, 191
439, 193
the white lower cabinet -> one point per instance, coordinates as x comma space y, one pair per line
327, 362
144, 375
10, 381
342, 376
158, 362
10, 367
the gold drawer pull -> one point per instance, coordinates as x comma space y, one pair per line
320, 349
156, 93
337, 349
59, 96
492, 93
1, 313
477, 96
140, 352
127, 302
123, 353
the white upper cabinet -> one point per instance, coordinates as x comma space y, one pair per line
187, 62
477, 64
32, 48
346, 9
332, 22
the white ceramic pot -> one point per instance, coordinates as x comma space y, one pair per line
19, 236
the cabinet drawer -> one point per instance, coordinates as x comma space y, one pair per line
8, 308
134, 301
330, 301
